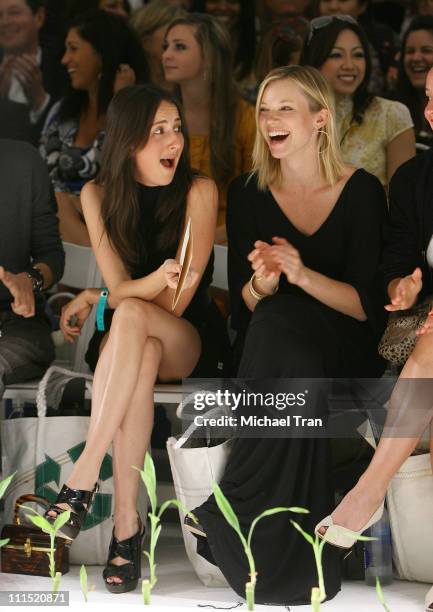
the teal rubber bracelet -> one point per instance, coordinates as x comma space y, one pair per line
102, 303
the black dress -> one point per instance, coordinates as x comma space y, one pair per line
293, 335
201, 311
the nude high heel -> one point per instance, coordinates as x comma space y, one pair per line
341, 536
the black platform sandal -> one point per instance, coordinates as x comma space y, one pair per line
80, 502
129, 573
194, 527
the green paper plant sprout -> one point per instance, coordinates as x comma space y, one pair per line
84, 582
43, 524
318, 594
3, 486
149, 479
228, 513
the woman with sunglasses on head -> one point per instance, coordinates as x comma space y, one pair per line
302, 285
136, 212
375, 133
197, 58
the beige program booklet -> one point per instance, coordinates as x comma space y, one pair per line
185, 262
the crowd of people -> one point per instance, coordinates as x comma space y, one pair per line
295, 132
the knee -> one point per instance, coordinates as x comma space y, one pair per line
152, 351
132, 313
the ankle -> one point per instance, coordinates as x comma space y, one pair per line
375, 486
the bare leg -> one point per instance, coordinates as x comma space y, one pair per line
362, 501
118, 374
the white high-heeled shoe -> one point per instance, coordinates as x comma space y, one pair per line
341, 536
429, 601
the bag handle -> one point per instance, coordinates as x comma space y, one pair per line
42, 501
41, 399
191, 429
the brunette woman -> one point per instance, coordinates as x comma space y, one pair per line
102, 56
197, 58
375, 133
136, 211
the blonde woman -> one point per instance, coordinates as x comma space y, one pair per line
197, 58
302, 276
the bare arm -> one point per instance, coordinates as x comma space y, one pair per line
399, 150
71, 224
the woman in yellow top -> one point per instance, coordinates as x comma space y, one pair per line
375, 134
198, 58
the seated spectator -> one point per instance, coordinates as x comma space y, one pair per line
117, 7
302, 283
151, 23
102, 56
415, 61
381, 38
29, 75
269, 11
221, 124
239, 17
31, 259
375, 134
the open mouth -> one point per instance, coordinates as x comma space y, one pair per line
278, 136
167, 162
419, 69
347, 78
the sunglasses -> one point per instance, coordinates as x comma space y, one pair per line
322, 22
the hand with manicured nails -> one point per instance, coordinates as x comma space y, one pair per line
21, 288
404, 294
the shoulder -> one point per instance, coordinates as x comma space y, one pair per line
17, 155
364, 192
91, 194
203, 194
393, 110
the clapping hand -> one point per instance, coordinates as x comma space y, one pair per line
406, 291
29, 75
287, 260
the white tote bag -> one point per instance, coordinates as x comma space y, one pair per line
410, 507
194, 470
42, 450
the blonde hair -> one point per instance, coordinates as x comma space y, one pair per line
153, 16
320, 96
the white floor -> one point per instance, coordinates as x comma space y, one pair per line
178, 588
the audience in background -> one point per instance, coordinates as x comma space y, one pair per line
280, 45
102, 55
239, 17
381, 37
29, 75
151, 23
375, 133
416, 59
197, 54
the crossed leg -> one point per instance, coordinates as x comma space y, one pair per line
144, 342
411, 411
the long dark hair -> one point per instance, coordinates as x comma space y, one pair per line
129, 120
214, 42
405, 91
318, 48
244, 50
116, 44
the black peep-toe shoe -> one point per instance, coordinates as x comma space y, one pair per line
193, 527
80, 502
129, 573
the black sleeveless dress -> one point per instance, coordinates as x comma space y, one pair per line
201, 312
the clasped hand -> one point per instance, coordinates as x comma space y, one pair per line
270, 261
21, 288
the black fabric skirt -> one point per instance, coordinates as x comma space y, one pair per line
289, 336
